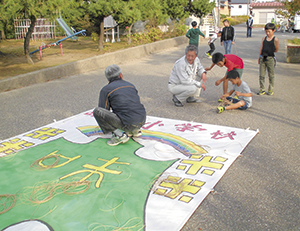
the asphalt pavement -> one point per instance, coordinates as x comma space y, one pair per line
261, 190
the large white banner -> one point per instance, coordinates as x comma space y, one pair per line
157, 180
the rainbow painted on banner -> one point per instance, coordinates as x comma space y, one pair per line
182, 145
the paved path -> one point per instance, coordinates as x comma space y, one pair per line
261, 191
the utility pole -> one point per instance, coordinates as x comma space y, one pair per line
219, 15
248, 11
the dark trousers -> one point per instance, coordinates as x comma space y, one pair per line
109, 121
212, 48
249, 31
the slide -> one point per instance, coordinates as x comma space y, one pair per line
66, 28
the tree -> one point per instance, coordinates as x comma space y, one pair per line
175, 9
2, 21
31, 9
76, 14
129, 14
199, 8
290, 8
100, 9
152, 12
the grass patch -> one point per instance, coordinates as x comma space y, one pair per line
13, 61
235, 19
294, 41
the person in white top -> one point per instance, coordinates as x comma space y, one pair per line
211, 41
187, 78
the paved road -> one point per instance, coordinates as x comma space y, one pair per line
261, 191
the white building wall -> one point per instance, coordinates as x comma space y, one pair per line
236, 11
263, 16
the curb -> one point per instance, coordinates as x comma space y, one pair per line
89, 64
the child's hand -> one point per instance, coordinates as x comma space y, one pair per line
207, 69
221, 43
224, 96
217, 83
203, 87
237, 93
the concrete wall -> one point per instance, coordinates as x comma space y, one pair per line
293, 54
90, 64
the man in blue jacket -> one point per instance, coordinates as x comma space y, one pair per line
120, 110
249, 24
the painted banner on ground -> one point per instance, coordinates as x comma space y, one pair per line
64, 176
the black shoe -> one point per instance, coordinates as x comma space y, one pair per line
192, 99
177, 103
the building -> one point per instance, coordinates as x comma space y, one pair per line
264, 12
240, 7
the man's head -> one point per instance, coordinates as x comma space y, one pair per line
194, 23
218, 59
226, 23
233, 76
270, 29
113, 72
191, 52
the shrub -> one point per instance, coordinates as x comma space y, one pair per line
95, 36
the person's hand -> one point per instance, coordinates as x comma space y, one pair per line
258, 60
217, 83
204, 78
207, 69
221, 43
232, 42
224, 96
237, 93
203, 87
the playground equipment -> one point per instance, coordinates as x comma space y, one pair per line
68, 31
55, 44
43, 29
110, 24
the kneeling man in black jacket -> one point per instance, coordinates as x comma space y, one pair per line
119, 110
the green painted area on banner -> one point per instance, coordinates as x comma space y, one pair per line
46, 189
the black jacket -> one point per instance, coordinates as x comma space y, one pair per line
227, 34
122, 97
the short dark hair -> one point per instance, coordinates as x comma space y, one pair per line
270, 26
225, 20
191, 47
217, 57
194, 23
233, 74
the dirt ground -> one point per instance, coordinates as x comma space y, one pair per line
13, 61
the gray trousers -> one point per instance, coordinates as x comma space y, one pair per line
267, 65
182, 92
109, 122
